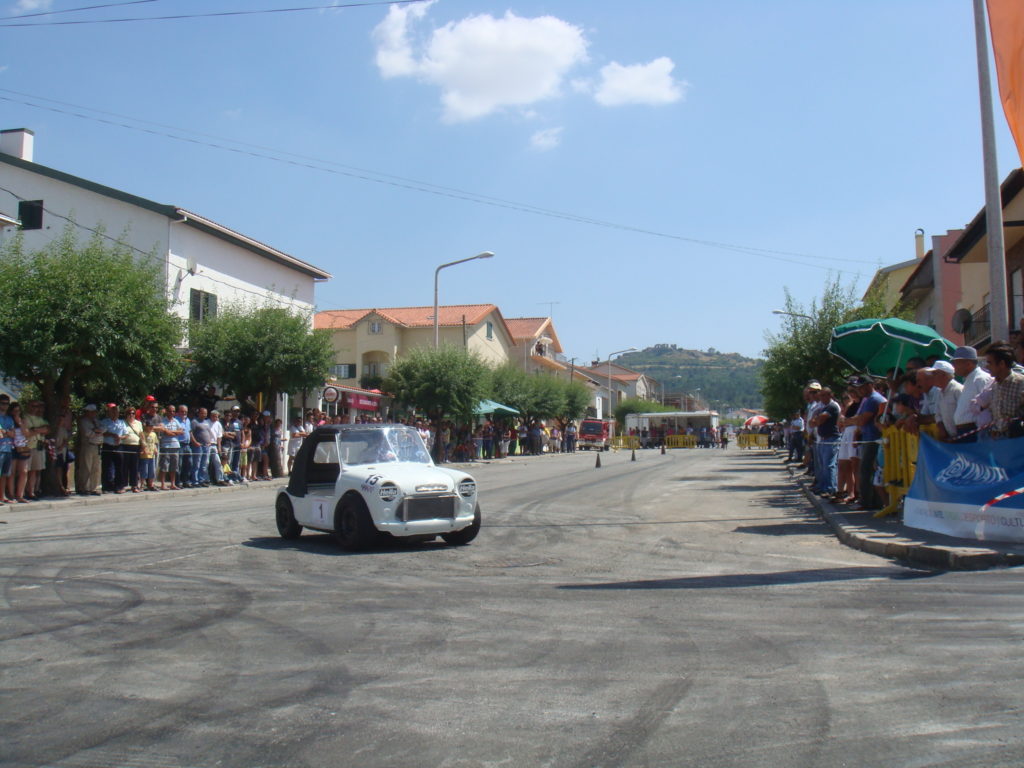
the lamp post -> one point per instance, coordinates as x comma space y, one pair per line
791, 314
609, 363
484, 255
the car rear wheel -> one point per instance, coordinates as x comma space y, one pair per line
353, 527
467, 534
287, 525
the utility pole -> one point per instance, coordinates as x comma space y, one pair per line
999, 322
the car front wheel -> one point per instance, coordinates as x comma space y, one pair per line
467, 534
353, 527
287, 525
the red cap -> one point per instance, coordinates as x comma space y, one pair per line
150, 399
111, 405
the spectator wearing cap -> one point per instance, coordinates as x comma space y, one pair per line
1007, 392
87, 458
871, 404
826, 424
112, 458
975, 381
939, 378
216, 467
812, 397
130, 447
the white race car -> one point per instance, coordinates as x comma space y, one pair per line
362, 482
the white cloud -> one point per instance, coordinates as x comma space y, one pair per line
546, 139
482, 64
28, 6
639, 84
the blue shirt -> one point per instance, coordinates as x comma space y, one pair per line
171, 441
115, 426
873, 403
6, 443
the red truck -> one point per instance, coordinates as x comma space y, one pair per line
596, 434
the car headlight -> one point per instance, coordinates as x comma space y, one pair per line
388, 492
467, 488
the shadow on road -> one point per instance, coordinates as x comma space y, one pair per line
735, 580
324, 544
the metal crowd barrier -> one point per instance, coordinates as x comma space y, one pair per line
680, 441
625, 443
752, 441
900, 463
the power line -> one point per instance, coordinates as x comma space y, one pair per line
149, 254
377, 177
76, 10
179, 16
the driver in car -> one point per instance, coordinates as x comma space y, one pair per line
377, 450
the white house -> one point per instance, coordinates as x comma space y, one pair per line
206, 264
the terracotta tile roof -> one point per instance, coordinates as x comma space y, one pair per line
526, 327
408, 317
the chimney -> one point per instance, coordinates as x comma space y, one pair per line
18, 142
919, 243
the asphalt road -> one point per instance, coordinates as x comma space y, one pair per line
682, 610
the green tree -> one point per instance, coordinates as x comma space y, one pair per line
252, 350
574, 403
510, 385
92, 317
446, 382
799, 352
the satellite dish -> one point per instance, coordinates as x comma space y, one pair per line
961, 321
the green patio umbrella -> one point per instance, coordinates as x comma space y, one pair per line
488, 407
875, 346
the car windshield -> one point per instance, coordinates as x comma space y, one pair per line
591, 428
380, 445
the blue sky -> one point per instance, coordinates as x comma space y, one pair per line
599, 148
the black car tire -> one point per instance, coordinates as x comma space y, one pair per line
353, 526
287, 525
467, 534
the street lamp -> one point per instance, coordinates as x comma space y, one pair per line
791, 314
609, 362
484, 255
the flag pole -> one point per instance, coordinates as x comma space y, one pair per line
999, 323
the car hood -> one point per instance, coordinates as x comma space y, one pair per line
408, 477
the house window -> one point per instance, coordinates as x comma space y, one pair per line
490, 331
376, 326
372, 369
202, 305
344, 371
30, 213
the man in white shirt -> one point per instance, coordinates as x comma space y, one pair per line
938, 380
965, 364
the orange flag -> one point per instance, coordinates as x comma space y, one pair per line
1006, 23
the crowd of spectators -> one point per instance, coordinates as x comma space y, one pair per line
837, 435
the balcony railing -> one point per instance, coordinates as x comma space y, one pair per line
981, 327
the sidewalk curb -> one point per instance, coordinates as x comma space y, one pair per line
74, 500
897, 547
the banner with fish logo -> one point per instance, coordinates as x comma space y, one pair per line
955, 481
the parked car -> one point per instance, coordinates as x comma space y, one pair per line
368, 482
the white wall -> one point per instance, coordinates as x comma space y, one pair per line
146, 230
220, 267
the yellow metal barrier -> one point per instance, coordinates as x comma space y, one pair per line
680, 441
752, 441
900, 457
625, 442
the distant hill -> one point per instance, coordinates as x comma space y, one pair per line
724, 379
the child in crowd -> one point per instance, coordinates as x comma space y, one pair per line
147, 455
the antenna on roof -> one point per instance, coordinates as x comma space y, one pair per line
551, 307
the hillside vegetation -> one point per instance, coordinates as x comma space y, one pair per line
725, 380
